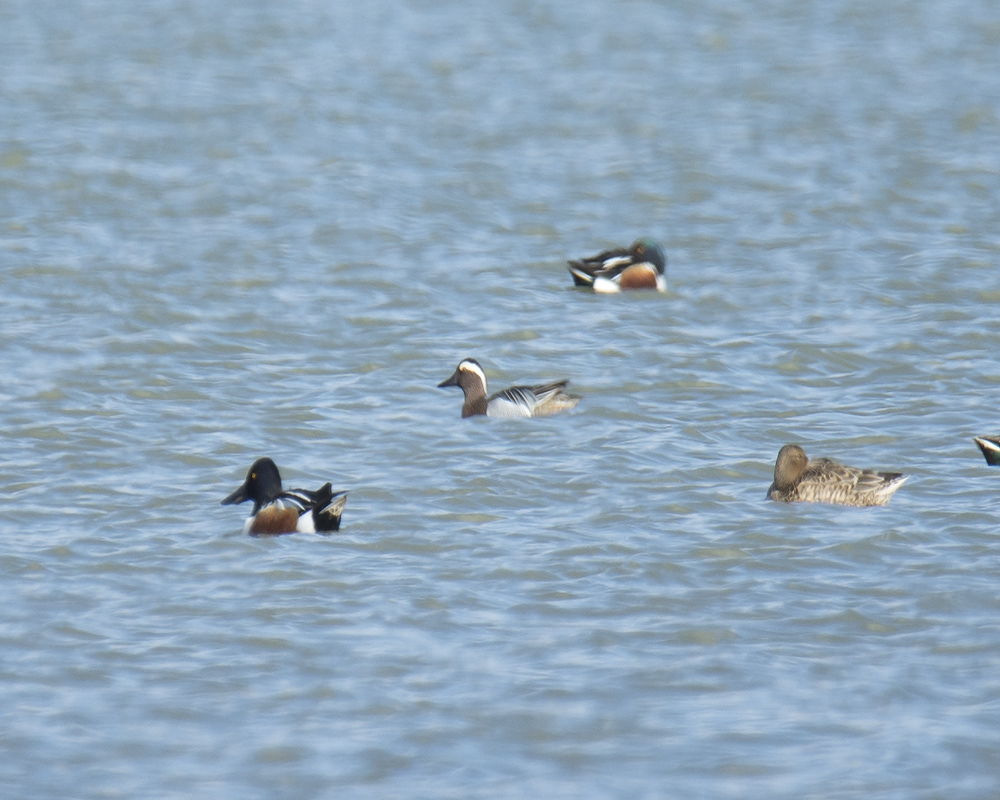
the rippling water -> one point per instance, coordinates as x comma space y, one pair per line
238, 229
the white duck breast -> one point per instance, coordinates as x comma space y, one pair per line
606, 286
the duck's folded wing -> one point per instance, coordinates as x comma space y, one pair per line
835, 482
879, 482
546, 390
610, 258
517, 401
582, 274
304, 499
868, 481
608, 264
824, 472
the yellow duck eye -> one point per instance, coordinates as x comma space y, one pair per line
253, 476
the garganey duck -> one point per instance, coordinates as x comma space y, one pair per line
517, 401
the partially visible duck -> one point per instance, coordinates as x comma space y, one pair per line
797, 478
641, 266
286, 511
517, 401
990, 445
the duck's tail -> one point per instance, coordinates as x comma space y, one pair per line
990, 447
328, 508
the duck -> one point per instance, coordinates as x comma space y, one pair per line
990, 447
640, 266
286, 511
517, 401
822, 480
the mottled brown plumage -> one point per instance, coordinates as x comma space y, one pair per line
821, 480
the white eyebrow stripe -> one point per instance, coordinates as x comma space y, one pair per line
469, 366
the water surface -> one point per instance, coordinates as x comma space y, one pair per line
234, 230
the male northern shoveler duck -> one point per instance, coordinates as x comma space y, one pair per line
288, 511
990, 445
639, 267
821, 480
517, 401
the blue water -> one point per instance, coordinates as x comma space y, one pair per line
230, 230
